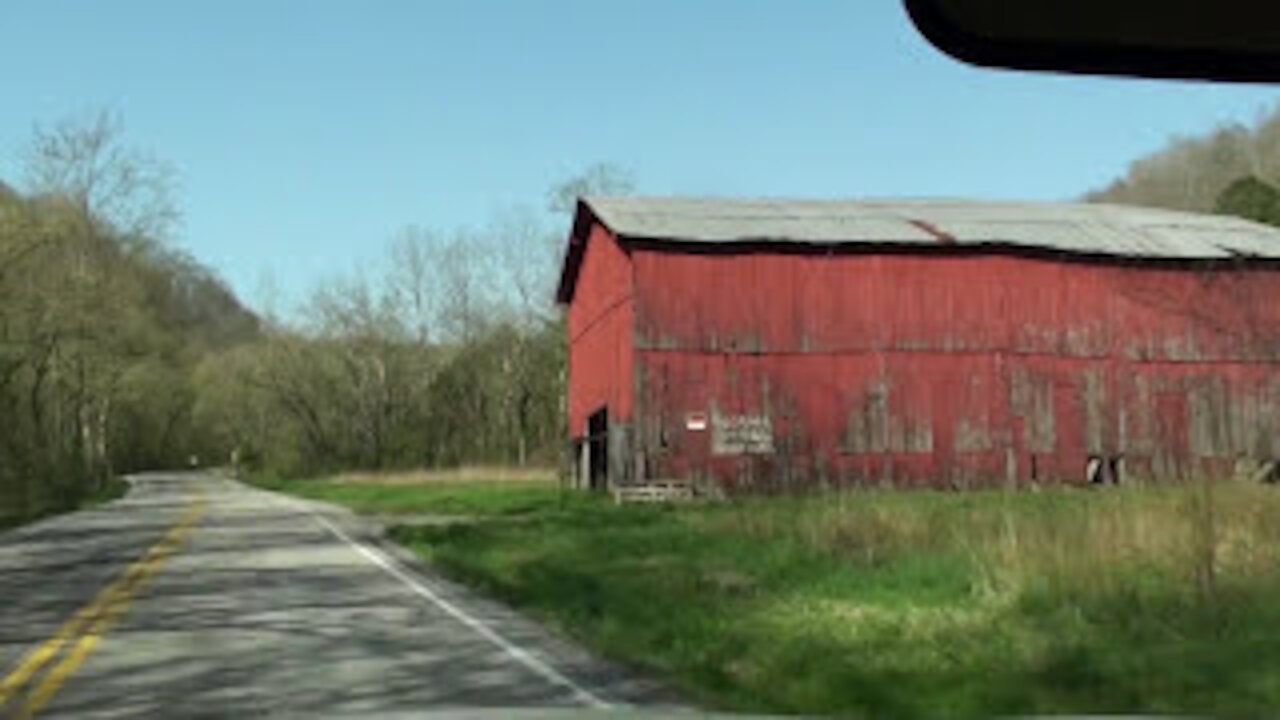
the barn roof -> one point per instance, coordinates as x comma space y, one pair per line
1086, 229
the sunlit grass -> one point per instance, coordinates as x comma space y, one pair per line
430, 492
896, 604
462, 474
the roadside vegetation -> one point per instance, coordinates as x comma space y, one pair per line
101, 322
885, 604
1233, 170
120, 353
457, 493
450, 354
113, 488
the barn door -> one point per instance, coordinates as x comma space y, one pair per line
598, 449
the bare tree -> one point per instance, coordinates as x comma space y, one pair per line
414, 280
527, 254
87, 161
596, 179
466, 286
99, 202
1189, 173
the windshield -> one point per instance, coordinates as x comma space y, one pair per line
365, 358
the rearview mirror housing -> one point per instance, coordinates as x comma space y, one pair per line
1231, 40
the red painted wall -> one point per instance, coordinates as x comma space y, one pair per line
793, 302
946, 368
600, 324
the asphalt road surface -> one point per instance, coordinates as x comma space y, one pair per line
197, 596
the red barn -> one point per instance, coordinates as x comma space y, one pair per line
771, 344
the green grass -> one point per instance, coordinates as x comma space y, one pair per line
470, 498
1157, 600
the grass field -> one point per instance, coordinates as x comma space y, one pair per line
1156, 600
456, 493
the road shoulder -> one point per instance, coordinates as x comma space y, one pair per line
612, 682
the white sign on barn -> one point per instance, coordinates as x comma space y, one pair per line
741, 434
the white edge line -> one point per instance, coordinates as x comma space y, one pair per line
515, 652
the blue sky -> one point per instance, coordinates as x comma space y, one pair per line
306, 132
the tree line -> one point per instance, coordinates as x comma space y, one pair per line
451, 352
101, 323
120, 353
1233, 169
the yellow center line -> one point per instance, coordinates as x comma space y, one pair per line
99, 615
36, 659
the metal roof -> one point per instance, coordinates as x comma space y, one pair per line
1092, 229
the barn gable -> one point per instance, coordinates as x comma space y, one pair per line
600, 323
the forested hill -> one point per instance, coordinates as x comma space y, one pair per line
1234, 169
101, 328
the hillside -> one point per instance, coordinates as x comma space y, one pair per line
100, 330
1194, 173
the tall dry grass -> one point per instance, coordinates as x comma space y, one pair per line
1195, 539
1156, 600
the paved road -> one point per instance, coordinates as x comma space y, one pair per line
196, 596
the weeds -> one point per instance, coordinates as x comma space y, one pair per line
432, 494
910, 604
